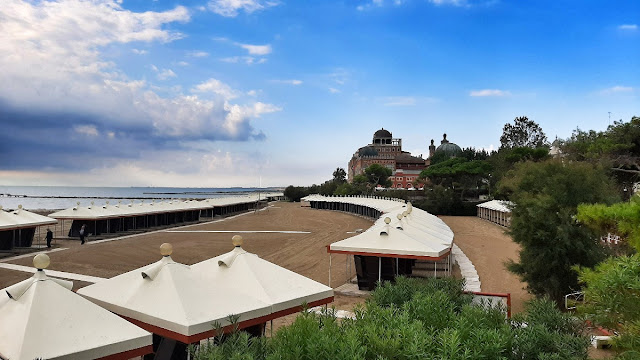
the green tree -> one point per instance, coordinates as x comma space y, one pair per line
295, 193
546, 196
339, 176
457, 173
611, 300
378, 175
523, 133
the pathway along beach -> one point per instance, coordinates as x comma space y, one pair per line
304, 253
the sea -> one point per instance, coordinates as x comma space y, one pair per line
63, 197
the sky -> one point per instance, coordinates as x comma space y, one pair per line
248, 93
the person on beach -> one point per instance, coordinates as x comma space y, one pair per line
49, 237
82, 234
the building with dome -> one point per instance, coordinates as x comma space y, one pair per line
387, 151
446, 149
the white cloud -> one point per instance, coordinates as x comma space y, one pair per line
139, 52
52, 56
616, 90
450, 2
489, 92
249, 60
294, 82
400, 101
628, 27
166, 74
198, 54
216, 87
88, 130
334, 90
256, 49
231, 8
183, 63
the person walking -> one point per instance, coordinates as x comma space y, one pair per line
82, 234
49, 237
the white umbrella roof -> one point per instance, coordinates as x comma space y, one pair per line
247, 273
498, 205
389, 241
173, 300
43, 318
21, 218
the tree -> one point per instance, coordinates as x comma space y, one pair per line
622, 219
523, 133
458, 173
295, 193
339, 176
611, 300
378, 175
546, 196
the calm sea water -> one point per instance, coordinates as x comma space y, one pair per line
62, 197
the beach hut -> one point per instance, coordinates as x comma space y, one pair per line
41, 318
18, 227
175, 303
284, 290
496, 211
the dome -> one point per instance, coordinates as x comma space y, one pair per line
382, 133
448, 148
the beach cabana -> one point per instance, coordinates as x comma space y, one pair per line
174, 302
387, 250
43, 319
284, 290
18, 227
496, 211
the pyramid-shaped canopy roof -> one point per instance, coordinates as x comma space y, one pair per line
247, 273
173, 300
21, 218
385, 240
42, 318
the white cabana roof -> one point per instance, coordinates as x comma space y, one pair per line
173, 300
247, 273
43, 318
418, 234
21, 218
498, 205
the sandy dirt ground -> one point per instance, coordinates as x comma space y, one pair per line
488, 248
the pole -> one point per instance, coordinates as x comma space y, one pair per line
329, 269
380, 269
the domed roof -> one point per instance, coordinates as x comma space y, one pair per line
382, 133
449, 148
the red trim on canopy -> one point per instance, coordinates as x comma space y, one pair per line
401, 256
126, 355
189, 339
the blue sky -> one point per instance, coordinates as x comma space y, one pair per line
225, 93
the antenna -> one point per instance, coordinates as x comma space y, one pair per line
609, 118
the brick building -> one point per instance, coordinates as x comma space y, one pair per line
387, 151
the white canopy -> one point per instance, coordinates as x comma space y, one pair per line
42, 318
173, 300
247, 273
21, 218
498, 205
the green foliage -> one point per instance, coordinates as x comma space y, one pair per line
543, 332
612, 299
238, 345
546, 196
622, 219
378, 175
295, 193
458, 174
523, 133
339, 176
416, 319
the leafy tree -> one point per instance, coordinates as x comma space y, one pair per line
378, 175
622, 219
328, 188
339, 176
295, 193
611, 300
546, 196
523, 133
457, 173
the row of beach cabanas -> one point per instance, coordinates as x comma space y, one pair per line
18, 227
177, 303
496, 211
400, 236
